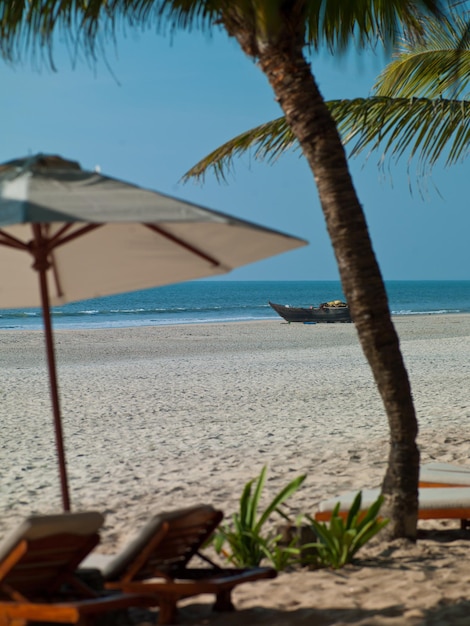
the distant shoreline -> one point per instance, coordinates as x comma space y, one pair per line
215, 302
91, 328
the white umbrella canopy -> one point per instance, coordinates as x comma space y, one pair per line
135, 238
88, 235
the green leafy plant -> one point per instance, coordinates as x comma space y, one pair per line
339, 542
282, 556
248, 542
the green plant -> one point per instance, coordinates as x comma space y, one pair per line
248, 543
281, 556
339, 542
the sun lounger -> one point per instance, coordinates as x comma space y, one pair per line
37, 572
157, 560
434, 503
444, 475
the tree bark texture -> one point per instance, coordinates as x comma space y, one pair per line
294, 85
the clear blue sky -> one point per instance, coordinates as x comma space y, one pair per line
165, 105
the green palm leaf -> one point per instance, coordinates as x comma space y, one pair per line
334, 23
269, 141
437, 66
427, 128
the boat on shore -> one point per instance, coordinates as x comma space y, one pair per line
327, 313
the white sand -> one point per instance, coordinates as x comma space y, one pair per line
161, 417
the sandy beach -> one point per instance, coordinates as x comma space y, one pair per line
157, 418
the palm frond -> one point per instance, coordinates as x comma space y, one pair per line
31, 26
180, 14
365, 22
426, 128
439, 65
268, 140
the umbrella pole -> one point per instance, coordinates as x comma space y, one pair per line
46, 311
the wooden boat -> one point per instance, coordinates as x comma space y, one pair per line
328, 312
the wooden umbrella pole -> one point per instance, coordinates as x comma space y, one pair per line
41, 265
51, 364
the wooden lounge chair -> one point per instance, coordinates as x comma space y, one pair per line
157, 560
444, 475
37, 579
434, 503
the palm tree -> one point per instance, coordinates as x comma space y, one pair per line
419, 107
276, 33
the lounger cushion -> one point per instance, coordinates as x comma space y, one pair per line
429, 499
114, 569
41, 526
445, 474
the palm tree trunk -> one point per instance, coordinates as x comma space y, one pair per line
306, 113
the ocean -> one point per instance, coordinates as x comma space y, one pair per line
212, 301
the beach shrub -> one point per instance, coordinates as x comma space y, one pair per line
246, 536
283, 556
340, 540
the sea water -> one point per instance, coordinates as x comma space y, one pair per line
207, 301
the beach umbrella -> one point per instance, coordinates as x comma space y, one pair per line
88, 235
